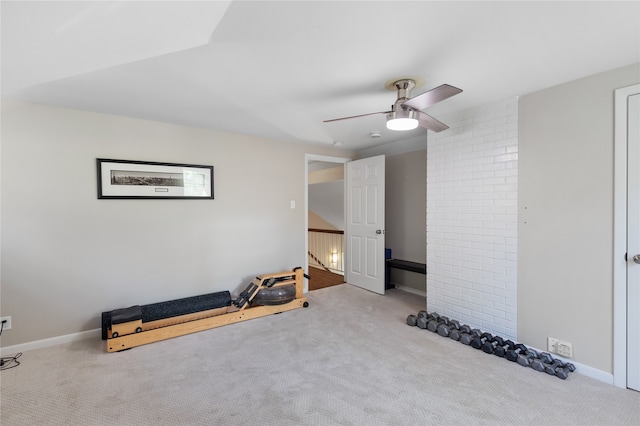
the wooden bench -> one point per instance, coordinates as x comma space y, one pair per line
405, 265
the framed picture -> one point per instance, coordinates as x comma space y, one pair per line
126, 179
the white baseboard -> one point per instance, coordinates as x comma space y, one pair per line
45, 343
594, 373
412, 290
585, 370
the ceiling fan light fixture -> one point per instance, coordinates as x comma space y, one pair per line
402, 124
406, 113
402, 120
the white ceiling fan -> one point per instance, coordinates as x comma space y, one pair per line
406, 114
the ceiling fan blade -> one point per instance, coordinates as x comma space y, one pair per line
428, 122
432, 97
356, 116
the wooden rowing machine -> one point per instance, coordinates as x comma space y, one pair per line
138, 325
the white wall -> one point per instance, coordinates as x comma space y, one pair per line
472, 190
67, 256
565, 235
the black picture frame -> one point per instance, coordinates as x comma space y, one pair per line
127, 179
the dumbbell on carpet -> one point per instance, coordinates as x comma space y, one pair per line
525, 358
563, 371
551, 367
512, 354
422, 322
515, 352
455, 334
445, 329
501, 350
477, 342
541, 361
490, 346
433, 324
421, 319
412, 320
465, 338
424, 319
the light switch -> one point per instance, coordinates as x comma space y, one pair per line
293, 204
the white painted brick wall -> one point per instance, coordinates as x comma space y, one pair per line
472, 190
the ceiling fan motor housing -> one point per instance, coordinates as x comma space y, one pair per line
404, 88
402, 112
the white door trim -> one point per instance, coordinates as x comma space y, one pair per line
327, 159
620, 236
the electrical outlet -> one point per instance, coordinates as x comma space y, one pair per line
565, 349
552, 345
6, 325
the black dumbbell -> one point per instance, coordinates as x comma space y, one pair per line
542, 361
426, 317
421, 322
429, 317
412, 320
500, 350
465, 338
445, 329
477, 342
525, 359
455, 334
563, 372
551, 367
512, 354
490, 346
435, 322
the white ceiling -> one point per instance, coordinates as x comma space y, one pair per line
278, 69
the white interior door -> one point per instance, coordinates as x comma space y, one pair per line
364, 234
633, 242
626, 238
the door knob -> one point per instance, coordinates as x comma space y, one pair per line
379, 231
636, 258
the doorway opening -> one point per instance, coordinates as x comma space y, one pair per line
324, 220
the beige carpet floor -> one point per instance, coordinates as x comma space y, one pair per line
348, 359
